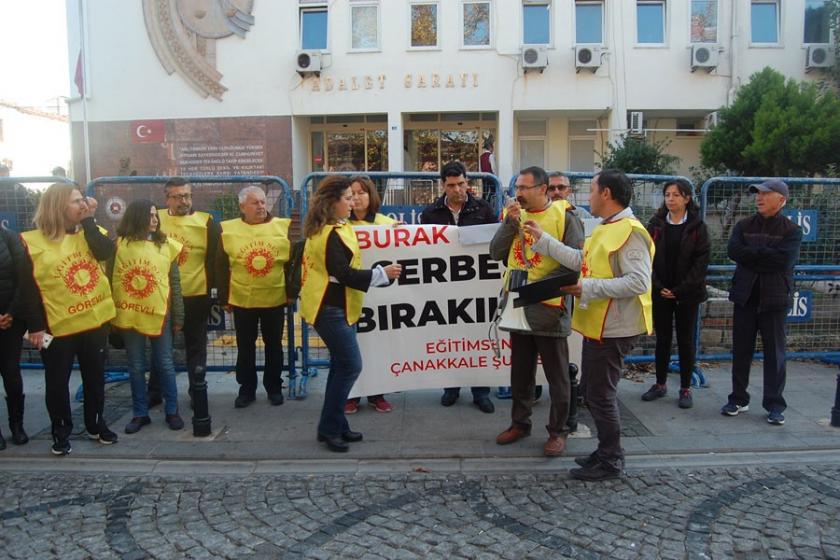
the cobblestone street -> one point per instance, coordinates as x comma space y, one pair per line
738, 512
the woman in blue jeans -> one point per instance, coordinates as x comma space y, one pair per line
332, 289
147, 294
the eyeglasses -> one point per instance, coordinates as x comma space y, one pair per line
527, 187
185, 196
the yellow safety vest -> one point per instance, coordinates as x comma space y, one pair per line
314, 277
257, 253
141, 284
378, 220
606, 239
191, 232
553, 221
73, 286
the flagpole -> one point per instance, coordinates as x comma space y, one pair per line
85, 130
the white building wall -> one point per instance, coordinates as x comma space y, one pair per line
127, 82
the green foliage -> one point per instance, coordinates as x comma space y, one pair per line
832, 8
228, 205
635, 155
776, 128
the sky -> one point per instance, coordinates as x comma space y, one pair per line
33, 47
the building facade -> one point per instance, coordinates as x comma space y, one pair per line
293, 86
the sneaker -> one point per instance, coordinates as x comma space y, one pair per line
596, 473
137, 424
656, 391
351, 407
174, 421
685, 400
732, 409
60, 446
105, 436
379, 404
503, 393
776, 418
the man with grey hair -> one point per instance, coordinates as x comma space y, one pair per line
251, 271
560, 188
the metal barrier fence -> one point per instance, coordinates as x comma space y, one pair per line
404, 195
814, 320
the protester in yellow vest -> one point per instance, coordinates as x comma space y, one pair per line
333, 286
612, 307
147, 294
251, 269
547, 329
73, 296
199, 234
366, 204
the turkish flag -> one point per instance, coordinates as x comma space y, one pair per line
148, 132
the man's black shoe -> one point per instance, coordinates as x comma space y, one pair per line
334, 443
60, 446
448, 398
155, 399
244, 400
485, 405
351, 437
587, 462
276, 398
596, 473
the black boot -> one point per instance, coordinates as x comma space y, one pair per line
2, 442
19, 436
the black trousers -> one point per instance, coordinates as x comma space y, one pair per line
270, 320
11, 342
89, 348
554, 353
665, 313
196, 311
602, 362
747, 322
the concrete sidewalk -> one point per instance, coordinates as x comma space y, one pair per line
419, 430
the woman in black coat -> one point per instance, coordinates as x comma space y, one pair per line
679, 283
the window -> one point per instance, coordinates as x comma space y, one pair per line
582, 149
589, 17
816, 22
764, 21
650, 22
313, 28
424, 25
536, 23
704, 21
364, 22
476, 24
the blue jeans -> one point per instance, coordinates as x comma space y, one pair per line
135, 346
345, 367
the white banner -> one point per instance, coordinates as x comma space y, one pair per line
429, 329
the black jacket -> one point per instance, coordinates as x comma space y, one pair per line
11, 265
692, 261
765, 250
476, 211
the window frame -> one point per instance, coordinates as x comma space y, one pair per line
717, 26
778, 42
311, 8
603, 5
805, 43
665, 16
551, 32
366, 4
491, 27
437, 45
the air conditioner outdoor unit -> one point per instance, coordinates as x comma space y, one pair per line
534, 58
637, 122
308, 62
587, 56
704, 56
712, 120
820, 56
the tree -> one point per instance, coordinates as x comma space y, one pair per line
776, 128
636, 155
832, 11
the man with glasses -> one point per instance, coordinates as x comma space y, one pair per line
560, 188
199, 235
458, 207
547, 323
